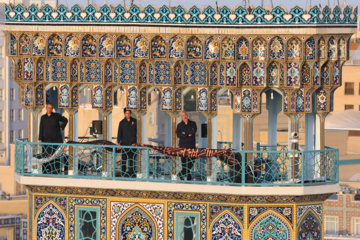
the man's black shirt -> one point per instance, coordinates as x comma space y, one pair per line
127, 132
183, 131
50, 127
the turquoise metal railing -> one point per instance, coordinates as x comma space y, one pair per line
274, 165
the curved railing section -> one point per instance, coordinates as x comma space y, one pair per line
273, 165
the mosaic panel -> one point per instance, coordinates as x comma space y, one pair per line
237, 101
28, 69
277, 48
310, 49
303, 209
59, 70
123, 47
40, 67
246, 100
332, 52
166, 99
259, 49
300, 100
294, 49
127, 71
116, 72
194, 48
213, 101
156, 211
286, 102
214, 74
197, 73
186, 74
24, 45
242, 49
143, 98
73, 202
321, 48
306, 75
309, 228
325, 75
231, 74
50, 223
39, 95
28, 96
162, 72
108, 98
293, 74
226, 227
177, 73
212, 49
151, 73
273, 74
13, 45
321, 102
336, 73
106, 46
342, 49
176, 48
245, 75
88, 46
308, 101
255, 100
258, 77
75, 97
72, 46
54, 46
173, 207
38, 45
74, 71
143, 72
178, 99
216, 210
82, 72
97, 96
141, 48
316, 74
158, 47
64, 95
227, 49
92, 71
132, 97
270, 226
202, 99
222, 75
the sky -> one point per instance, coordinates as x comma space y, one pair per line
203, 3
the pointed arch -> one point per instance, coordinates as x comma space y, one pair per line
55, 46
40, 70
212, 48
136, 218
244, 75
325, 75
277, 48
322, 48
88, 46
176, 48
259, 50
227, 49
38, 45
332, 52
158, 47
106, 46
294, 49
50, 217
242, 49
225, 226
72, 46
342, 49
24, 45
194, 48
39, 95
123, 47
310, 226
141, 47
270, 223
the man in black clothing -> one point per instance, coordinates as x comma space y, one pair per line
127, 136
186, 131
50, 129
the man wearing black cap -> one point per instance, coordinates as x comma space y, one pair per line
127, 136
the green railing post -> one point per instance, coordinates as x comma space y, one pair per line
148, 165
114, 163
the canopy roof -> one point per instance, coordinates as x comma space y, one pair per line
344, 120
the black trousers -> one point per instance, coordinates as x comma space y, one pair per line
187, 164
128, 155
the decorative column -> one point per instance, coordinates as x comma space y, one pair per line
274, 108
211, 143
237, 132
174, 116
248, 131
105, 124
33, 123
320, 130
139, 115
71, 112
